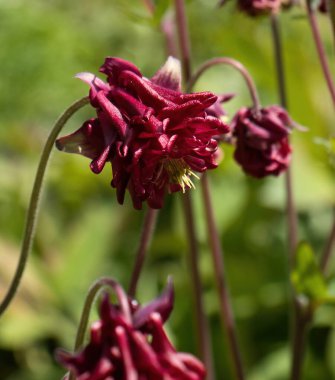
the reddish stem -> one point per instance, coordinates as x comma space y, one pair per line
146, 236
320, 50
225, 305
204, 340
236, 65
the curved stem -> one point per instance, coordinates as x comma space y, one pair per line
85, 314
149, 225
225, 305
320, 50
204, 340
236, 65
328, 247
35, 200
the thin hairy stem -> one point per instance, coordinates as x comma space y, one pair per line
236, 65
35, 200
220, 279
321, 51
149, 225
328, 247
204, 340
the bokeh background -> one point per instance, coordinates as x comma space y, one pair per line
83, 233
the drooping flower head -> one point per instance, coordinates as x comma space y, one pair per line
262, 146
129, 342
154, 136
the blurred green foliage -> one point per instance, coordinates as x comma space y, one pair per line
83, 233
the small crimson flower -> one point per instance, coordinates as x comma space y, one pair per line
129, 342
154, 136
262, 146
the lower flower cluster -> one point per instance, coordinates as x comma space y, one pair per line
128, 342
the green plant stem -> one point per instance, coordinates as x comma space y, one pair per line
299, 321
149, 225
236, 65
321, 51
218, 263
204, 341
35, 200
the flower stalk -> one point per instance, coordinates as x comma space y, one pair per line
220, 279
236, 65
34, 202
203, 333
224, 299
149, 225
300, 318
321, 51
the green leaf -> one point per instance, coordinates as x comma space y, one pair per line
307, 278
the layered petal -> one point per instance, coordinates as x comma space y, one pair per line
153, 135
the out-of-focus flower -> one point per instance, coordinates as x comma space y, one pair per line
128, 342
262, 146
257, 7
154, 136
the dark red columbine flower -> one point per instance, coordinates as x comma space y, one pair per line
262, 146
153, 135
128, 342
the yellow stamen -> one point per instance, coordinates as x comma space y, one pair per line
179, 173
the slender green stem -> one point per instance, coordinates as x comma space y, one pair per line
321, 51
236, 65
204, 339
218, 262
35, 200
149, 225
